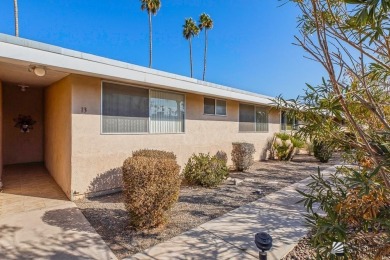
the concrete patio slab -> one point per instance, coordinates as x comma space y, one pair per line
58, 232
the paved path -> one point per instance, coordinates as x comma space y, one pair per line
58, 232
37, 221
231, 236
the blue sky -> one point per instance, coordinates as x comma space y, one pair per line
250, 46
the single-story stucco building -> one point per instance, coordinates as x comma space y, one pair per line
90, 113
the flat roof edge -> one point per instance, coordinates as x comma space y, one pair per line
207, 87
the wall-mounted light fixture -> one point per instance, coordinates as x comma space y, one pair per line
38, 70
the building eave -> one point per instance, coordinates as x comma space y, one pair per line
14, 49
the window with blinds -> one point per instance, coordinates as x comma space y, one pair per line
128, 109
253, 119
166, 112
125, 109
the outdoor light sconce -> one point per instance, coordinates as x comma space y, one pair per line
263, 242
38, 70
24, 123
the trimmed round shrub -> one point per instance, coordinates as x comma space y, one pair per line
151, 187
242, 155
322, 150
205, 170
158, 154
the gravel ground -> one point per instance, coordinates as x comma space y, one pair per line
196, 205
368, 244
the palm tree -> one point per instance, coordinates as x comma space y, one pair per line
206, 23
152, 7
190, 29
16, 13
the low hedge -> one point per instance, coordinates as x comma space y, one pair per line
158, 154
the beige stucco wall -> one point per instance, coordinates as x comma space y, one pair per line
57, 141
97, 158
1, 132
21, 147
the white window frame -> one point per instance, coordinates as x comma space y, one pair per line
144, 87
215, 106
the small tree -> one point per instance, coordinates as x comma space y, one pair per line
350, 39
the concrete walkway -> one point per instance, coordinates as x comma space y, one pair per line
231, 236
37, 221
60, 232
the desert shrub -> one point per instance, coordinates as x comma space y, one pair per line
151, 187
205, 170
158, 154
322, 150
222, 156
285, 146
242, 155
283, 136
297, 143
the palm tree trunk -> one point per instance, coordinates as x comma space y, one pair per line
190, 55
205, 53
16, 13
150, 39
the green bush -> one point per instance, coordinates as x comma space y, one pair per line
205, 170
154, 154
286, 146
242, 155
283, 136
322, 150
151, 187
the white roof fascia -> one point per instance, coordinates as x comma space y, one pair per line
57, 58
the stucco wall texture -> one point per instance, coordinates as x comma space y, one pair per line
1, 132
57, 138
21, 147
96, 158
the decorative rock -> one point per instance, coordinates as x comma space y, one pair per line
237, 181
259, 192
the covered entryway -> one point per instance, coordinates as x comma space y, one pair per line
27, 184
28, 187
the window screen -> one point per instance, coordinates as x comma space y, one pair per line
125, 109
220, 107
209, 106
214, 107
261, 119
253, 119
247, 118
